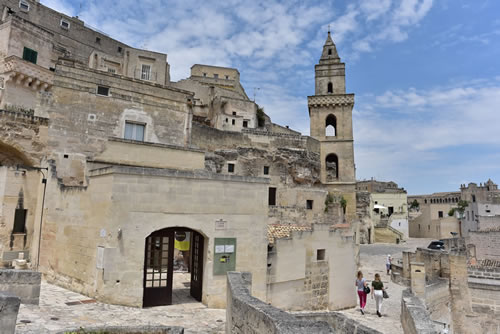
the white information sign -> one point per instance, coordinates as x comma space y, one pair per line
229, 248
219, 249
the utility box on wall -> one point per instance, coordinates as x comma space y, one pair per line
224, 255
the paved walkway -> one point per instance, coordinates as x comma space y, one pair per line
373, 259
62, 309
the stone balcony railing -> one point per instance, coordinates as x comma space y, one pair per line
25, 73
330, 100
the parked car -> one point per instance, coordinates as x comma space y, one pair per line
436, 245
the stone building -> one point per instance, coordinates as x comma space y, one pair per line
483, 210
105, 164
387, 209
431, 219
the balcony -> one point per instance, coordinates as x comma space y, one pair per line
26, 73
144, 75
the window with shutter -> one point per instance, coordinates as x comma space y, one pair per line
30, 55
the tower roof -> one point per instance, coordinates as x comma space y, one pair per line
329, 54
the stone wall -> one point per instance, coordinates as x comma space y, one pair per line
247, 314
484, 286
9, 307
415, 318
339, 322
126, 330
487, 244
24, 284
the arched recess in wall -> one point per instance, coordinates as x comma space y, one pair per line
332, 167
331, 126
11, 156
330, 88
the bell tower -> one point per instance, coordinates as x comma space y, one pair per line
330, 113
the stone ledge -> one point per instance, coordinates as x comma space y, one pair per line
126, 330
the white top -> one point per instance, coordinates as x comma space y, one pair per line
360, 284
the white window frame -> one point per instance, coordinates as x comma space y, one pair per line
111, 70
146, 75
66, 22
24, 3
134, 131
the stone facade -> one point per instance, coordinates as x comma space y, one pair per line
431, 219
100, 151
24, 284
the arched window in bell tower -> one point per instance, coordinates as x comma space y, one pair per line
330, 87
329, 52
332, 167
331, 126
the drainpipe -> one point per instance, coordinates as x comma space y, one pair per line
44, 181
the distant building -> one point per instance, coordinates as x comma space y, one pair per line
431, 219
388, 209
483, 211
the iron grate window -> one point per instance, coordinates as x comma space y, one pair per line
101, 90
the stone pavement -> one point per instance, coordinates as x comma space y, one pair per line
54, 314
372, 258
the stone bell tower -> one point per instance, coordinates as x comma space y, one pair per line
330, 112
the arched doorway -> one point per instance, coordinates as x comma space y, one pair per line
159, 264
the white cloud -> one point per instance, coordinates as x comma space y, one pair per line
413, 131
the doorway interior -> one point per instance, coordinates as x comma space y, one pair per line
173, 267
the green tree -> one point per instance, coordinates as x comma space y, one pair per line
414, 204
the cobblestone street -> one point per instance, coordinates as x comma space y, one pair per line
373, 259
61, 309
54, 314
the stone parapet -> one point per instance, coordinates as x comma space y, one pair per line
24, 117
330, 100
126, 330
24, 284
339, 322
9, 307
415, 318
247, 314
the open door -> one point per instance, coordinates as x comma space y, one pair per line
158, 268
197, 266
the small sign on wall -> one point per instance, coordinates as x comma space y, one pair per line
220, 224
100, 257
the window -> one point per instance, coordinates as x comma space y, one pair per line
266, 170
216, 76
20, 221
204, 74
64, 24
332, 168
473, 198
146, 72
329, 52
134, 131
101, 90
30, 55
24, 5
233, 122
230, 168
488, 211
120, 49
330, 87
98, 40
111, 70
245, 124
320, 254
331, 126
227, 120
429, 227
234, 113
425, 201
309, 204
440, 214
272, 196
227, 77
419, 227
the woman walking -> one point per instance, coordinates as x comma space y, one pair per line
361, 285
378, 288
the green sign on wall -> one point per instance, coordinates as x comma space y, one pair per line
224, 255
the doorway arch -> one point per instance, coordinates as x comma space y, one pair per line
159, 265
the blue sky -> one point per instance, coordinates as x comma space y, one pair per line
425, 73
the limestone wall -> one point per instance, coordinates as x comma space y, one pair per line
487, 244
9, 307
339, 322
247, 314
484, 286
138, 201
414, 316
306, 264
24, 284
